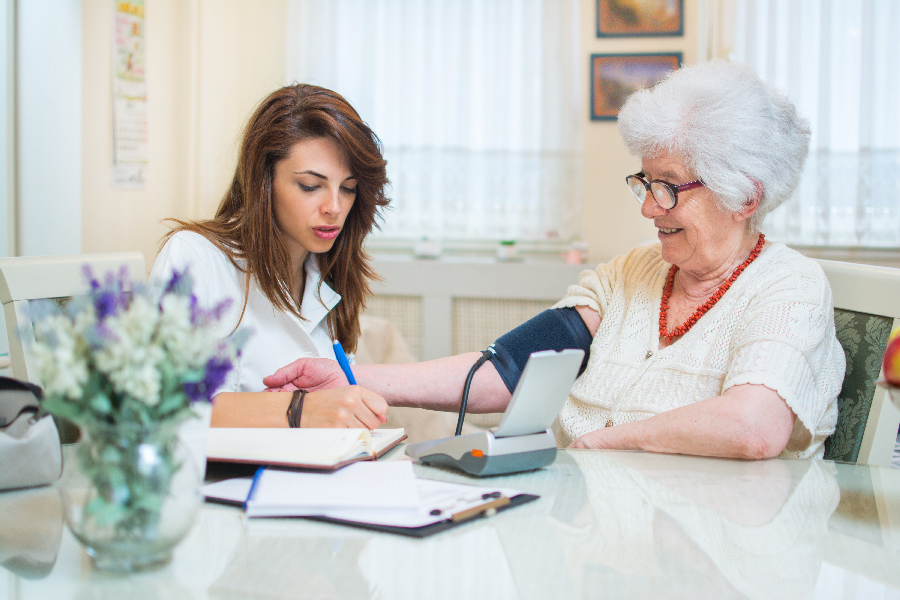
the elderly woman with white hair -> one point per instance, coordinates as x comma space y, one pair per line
712, 341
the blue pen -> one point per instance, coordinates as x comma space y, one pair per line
342, 360
253, 484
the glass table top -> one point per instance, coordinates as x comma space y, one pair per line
607, 525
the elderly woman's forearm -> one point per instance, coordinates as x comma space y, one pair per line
749, 422
437, 384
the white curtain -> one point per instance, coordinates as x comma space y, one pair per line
477, 103
839, 61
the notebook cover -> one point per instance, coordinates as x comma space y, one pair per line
325, 468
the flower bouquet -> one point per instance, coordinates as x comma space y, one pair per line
127, 365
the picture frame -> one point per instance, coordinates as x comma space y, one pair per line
614, 77
640, 18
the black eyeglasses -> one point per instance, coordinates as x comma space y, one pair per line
665, 193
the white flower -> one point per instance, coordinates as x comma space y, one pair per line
191, 345
139, 321
140, 378
176, 333
61, 362
145, 341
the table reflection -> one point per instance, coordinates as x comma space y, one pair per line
31, 526
685, 526
607, 525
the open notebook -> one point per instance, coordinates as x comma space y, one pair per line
320, 449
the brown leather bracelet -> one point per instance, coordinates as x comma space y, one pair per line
295, 408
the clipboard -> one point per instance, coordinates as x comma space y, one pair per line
234, 492
427, 530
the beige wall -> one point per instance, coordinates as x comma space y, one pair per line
241, 60
612, 220
123, 219
208, 63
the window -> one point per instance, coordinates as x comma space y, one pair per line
477, 105
838, 60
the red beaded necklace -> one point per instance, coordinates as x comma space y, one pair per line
692, 320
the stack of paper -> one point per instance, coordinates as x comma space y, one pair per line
373, 486
281, 493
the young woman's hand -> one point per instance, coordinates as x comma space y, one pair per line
350, 406
310, 374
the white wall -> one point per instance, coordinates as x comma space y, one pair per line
48, 128
7, 127
7, 144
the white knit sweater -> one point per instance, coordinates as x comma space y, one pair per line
774, 327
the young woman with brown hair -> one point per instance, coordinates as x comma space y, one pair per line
285, 246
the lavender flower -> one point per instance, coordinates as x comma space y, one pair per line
99, 335
110, 297
174, 282
151, 351
217, 369
201, 316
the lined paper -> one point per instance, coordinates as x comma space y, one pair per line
370, 485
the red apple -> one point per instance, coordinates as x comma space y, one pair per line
891, 363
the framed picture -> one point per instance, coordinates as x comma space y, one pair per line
614, 77
635, 18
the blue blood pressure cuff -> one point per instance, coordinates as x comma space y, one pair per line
554, 329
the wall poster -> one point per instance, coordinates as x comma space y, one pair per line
614, 77
640, 18
130, 124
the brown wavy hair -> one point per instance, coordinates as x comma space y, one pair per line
244, 226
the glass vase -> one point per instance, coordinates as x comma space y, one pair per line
130, 495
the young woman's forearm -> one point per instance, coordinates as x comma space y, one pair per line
437, 384
348, 406
246, 409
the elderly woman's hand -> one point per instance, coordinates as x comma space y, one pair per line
311, 374
591, 441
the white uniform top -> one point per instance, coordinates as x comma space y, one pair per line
278, 338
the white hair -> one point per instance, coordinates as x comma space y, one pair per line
726, 125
